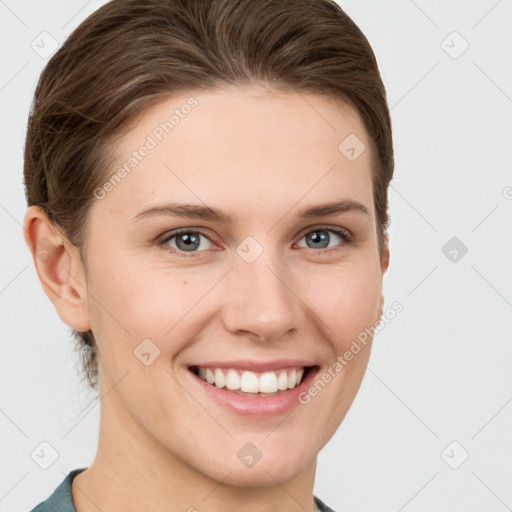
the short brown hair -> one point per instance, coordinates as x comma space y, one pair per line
128, 55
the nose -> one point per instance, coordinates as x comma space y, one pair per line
259, 302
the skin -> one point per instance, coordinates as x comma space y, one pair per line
260, 155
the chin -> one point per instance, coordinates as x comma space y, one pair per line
264, 476
270, 469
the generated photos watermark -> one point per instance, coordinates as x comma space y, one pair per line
156, 136
344, 359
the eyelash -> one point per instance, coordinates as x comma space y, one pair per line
347, 237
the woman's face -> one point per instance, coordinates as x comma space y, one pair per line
271, 287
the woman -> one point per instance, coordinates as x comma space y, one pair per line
207, 189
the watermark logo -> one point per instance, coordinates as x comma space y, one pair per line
351, 147
454, 249
146, 352
454, 45
249, 455
45, 250
44, 455
455, 455
44, 45
249, 249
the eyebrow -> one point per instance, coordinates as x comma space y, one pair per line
207, 213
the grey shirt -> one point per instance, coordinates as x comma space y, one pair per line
62, 501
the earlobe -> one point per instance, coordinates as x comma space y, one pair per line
59, 268
385, 258
384, 267
381, 307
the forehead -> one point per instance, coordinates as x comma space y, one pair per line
237, 147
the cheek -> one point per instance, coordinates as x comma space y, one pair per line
347, 301
133, 304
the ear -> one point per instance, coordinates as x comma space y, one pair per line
59, 268
384, 266
384, 260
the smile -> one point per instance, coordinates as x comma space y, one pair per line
246, 381
253, 388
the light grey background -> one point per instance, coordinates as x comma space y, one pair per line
438, 373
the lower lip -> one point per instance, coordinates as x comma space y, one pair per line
257, 405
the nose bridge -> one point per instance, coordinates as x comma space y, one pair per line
258, 299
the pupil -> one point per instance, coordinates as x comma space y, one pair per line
189, 241
318, 237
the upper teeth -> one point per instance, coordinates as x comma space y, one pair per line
251, 382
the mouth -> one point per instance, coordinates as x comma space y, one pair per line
254, 389
251, 383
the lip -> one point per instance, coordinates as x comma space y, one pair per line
256, 406
253, 366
